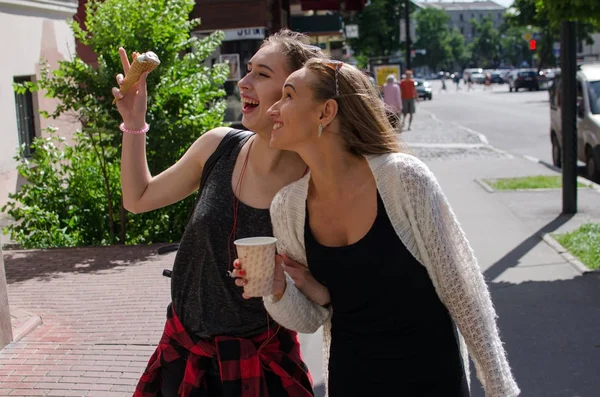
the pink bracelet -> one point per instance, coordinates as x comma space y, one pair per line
142, 131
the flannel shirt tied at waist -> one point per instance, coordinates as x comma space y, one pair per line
242, 363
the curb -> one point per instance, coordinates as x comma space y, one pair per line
484, 185
32, 323
567, 256
481, 137
490, 189
580, 179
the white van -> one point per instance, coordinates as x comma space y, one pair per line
588, 119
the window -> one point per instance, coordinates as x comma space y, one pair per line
472, 30
580, 105
594, 94
25, 117
462, 30
460, 17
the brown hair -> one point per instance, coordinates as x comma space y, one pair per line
294, 46
364, 125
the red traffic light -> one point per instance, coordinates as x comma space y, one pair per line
532, 44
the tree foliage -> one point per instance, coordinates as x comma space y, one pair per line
184, 101
575, 10
434, 37
485, 47
379, 27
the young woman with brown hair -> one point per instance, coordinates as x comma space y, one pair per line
216, 343
374, 252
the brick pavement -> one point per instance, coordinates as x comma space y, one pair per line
102, 311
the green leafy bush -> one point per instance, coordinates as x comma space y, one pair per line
74, 194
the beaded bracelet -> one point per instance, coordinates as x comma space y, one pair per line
127, 131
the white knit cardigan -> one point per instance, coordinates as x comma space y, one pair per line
426, 225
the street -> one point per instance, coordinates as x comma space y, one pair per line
516, 122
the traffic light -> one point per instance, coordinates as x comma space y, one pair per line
532, 44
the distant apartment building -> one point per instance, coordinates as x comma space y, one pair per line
462, 13
31, 30
589, 52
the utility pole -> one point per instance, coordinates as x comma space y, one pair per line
407, 27
568, 64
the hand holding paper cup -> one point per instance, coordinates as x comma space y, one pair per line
255, 255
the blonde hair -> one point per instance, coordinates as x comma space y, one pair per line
364, 125
295, 47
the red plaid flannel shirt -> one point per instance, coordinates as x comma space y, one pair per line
241, 361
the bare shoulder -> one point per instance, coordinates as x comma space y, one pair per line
206, 145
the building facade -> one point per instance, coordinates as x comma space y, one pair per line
41, 32
246, 23
589, 52
462, 13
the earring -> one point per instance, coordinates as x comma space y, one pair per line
320, 129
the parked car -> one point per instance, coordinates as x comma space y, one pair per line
523, 78
588, 120
497, 77
424, 89
468, 72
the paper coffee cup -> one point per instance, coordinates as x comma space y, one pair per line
257, 258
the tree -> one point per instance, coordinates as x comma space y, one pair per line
546, 16
460, 52
379, 28
433, 36
185, 100
485, 47
514, 49
577, 10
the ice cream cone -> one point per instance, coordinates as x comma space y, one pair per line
146, 62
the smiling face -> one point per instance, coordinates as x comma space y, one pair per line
261, 87
296, 116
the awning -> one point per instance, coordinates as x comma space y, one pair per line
333, 5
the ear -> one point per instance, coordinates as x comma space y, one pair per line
328, 112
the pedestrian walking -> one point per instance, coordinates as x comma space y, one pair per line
487, 82
393, 101
375, 252
409, 98
444, 88
457, 81
215, 342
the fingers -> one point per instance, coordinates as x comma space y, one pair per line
124, 59
142, 84
291, 263
116, 93
120, 79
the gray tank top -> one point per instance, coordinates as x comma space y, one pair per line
205, 299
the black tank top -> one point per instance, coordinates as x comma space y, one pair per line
205, 298
389, 329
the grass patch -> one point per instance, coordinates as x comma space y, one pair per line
583, 243
529, 182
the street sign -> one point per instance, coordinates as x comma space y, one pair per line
352, 31
528, 36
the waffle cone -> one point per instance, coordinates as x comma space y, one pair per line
134, 74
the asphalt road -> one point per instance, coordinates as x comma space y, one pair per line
518, 123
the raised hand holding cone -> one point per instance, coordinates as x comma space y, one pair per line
142, 63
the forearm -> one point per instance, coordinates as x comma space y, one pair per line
135, 175
293, 310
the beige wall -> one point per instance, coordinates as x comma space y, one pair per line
30, 30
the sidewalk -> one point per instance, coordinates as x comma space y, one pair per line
548, 312
103, 308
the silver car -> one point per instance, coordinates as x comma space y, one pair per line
588, 120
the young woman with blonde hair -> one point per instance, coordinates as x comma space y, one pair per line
373, 251
216, 343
